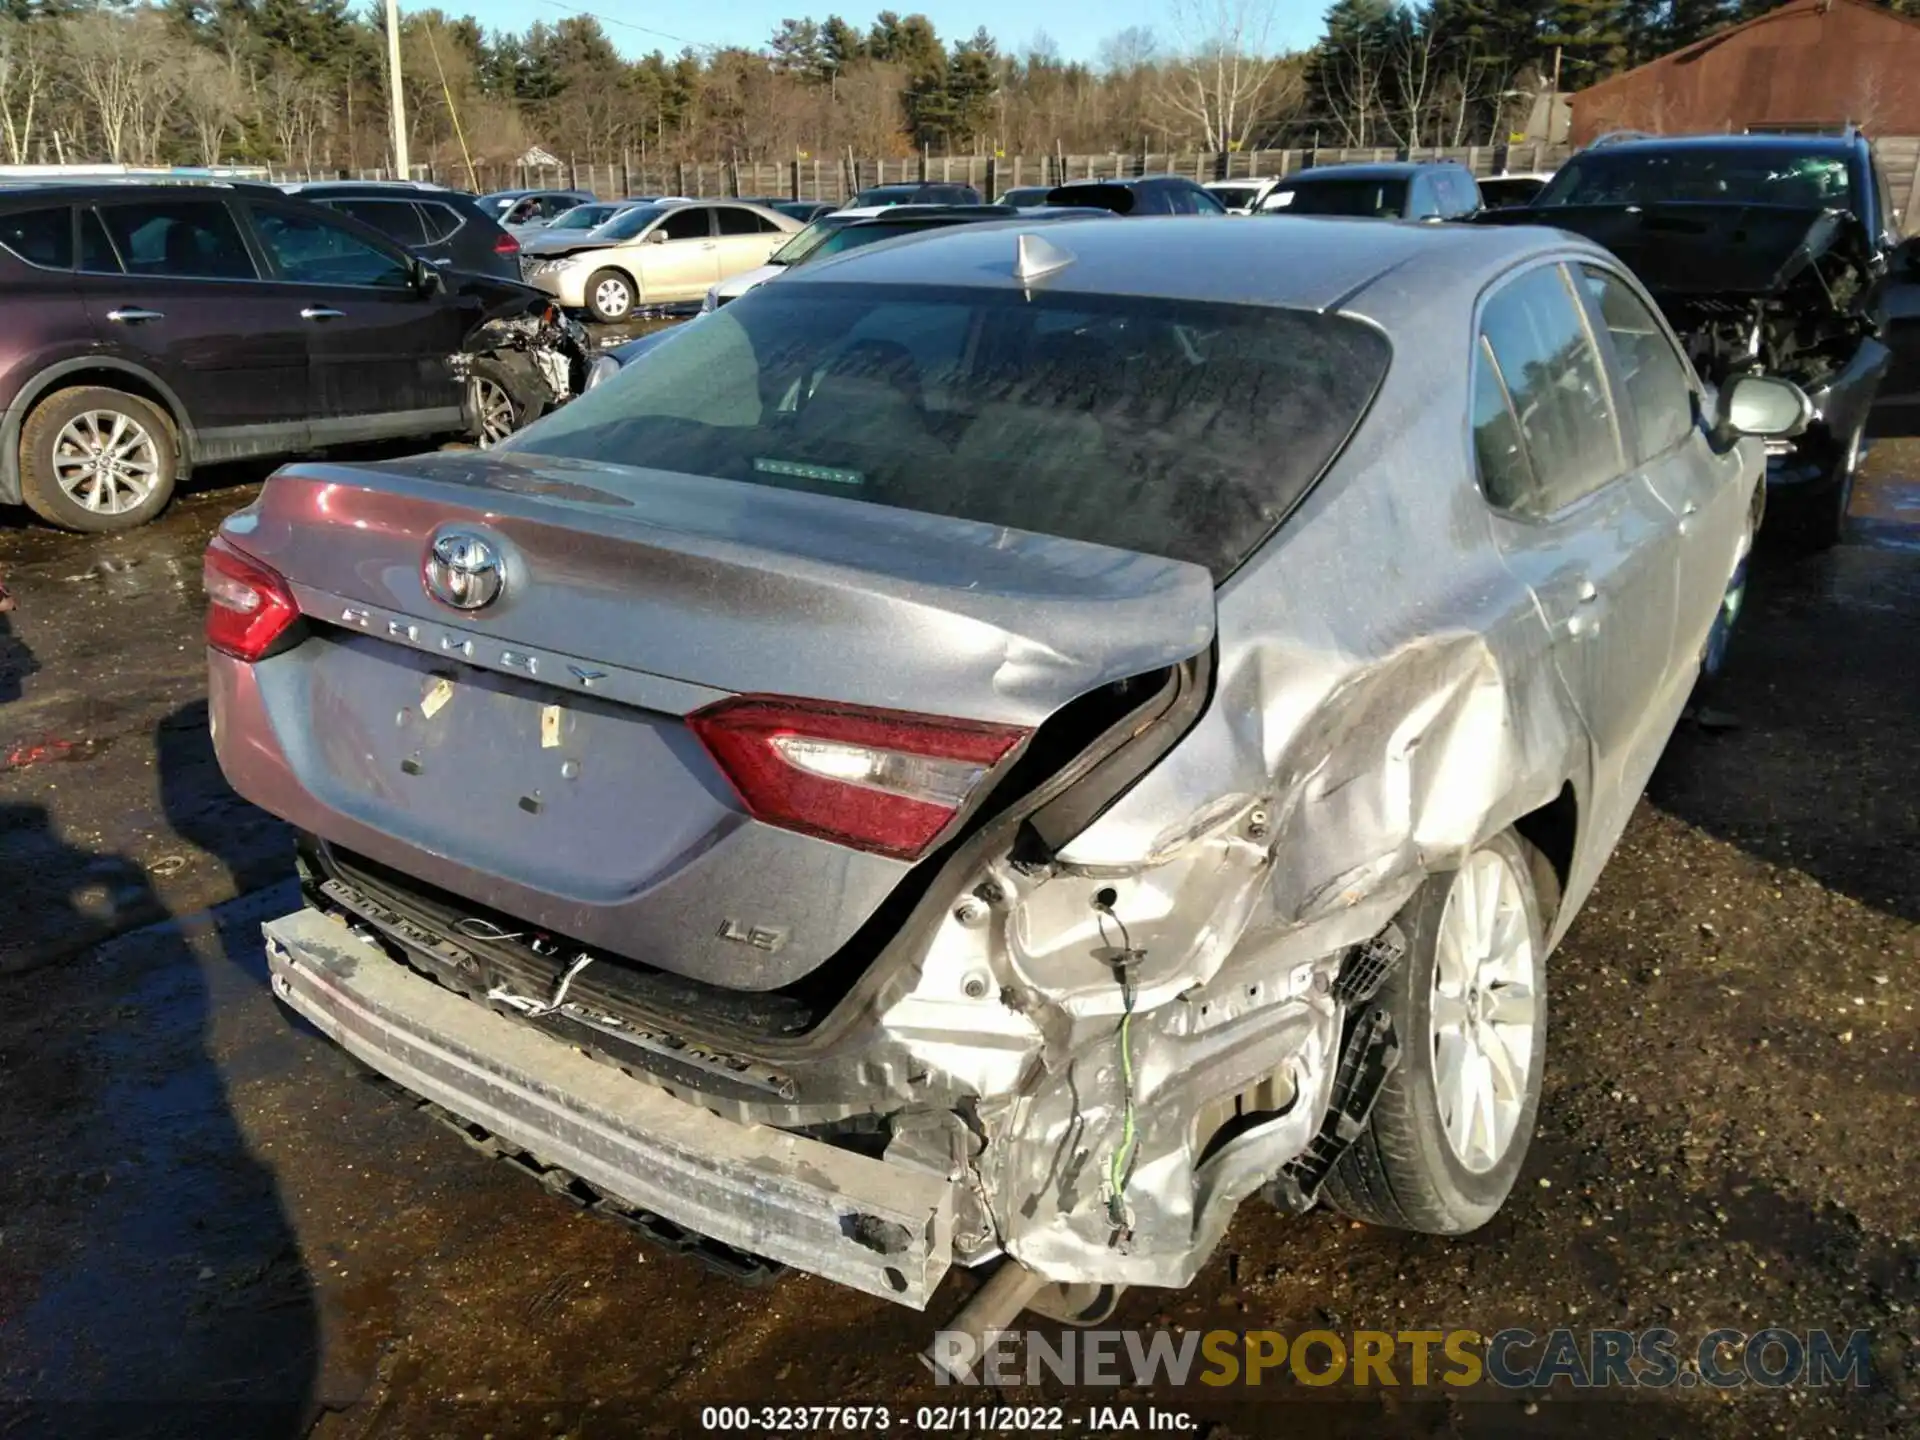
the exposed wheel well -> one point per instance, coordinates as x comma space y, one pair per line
1552, 830
112, 378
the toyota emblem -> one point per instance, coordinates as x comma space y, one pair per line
464, 571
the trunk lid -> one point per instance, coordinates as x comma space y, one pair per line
533, 755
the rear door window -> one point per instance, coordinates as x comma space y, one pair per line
437, 221
181, 239
690, 222
1174, 428
1536, 333
40, 237
1505, 476
397, 219
736, 221
1651, 372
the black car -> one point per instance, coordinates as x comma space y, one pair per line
1022, 196
1140, 195
155, 327
448, 227
916, 192
1777, 254
1392, 190
805, 211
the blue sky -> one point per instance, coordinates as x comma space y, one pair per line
1075, 26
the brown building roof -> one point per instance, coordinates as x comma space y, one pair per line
1811, 62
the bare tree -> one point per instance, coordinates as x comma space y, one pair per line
1354, 76
296, 109
212, 100
1415, 62
26, 70
108, 60
1222, 81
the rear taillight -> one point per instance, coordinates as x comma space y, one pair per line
506, 245
877, 780
249, 607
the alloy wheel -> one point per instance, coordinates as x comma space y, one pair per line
493, 409
106, 462
1485, 1011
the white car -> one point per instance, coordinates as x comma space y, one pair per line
799, 248
664, 253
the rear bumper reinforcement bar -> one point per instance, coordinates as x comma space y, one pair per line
885, 1229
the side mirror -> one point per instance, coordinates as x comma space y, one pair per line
656, 237
1764, 405
427, 278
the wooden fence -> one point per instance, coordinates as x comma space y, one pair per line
837, 178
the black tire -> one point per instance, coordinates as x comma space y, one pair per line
40, 486
1402, 1171
490, 382
1817, 519
604, 314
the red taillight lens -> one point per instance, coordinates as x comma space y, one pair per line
506, 245
878, 780
249, 607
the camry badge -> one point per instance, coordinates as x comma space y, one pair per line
464, 571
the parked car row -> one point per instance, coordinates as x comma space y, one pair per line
152, 328
1008, 741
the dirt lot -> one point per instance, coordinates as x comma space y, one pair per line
203, 1204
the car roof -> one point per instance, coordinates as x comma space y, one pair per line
1369, 170
1125, 181
1270, 261
372, 189
1839, 145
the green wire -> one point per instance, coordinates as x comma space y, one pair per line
1123, 1155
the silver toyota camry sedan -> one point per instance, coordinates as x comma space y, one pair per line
1006, 744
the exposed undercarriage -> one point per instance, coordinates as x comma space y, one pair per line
547, 352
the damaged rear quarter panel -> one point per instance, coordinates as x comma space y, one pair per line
1387, 698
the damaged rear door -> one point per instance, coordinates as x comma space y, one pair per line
1579, 525
379, 345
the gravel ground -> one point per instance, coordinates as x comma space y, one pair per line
204, 1204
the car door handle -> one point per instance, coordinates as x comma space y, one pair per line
1587, 592
444, 261
707, 245
322, 312
133, 315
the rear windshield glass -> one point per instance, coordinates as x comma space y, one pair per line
629, 223
808, 240
1169, 427
1735, 175
585, 217
852, 237
1341, 197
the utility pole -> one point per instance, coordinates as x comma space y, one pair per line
401, 169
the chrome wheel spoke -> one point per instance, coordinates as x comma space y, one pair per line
1484, 1009
1449, 1013
105, 461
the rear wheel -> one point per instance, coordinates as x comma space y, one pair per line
610, 296
1450, 1129
97, 460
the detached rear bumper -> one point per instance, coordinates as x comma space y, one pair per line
885, 1229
